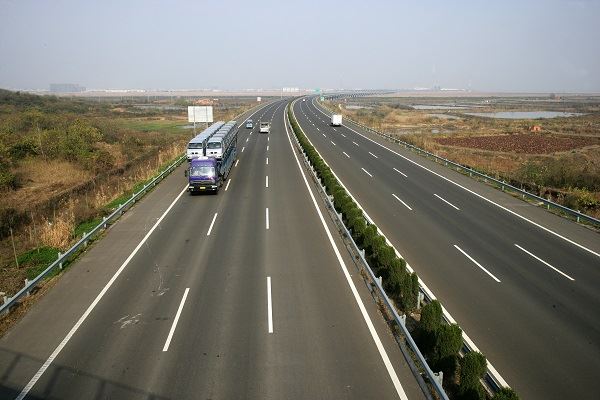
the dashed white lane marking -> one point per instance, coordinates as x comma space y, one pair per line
346, 154
400, 172
236, 162
267, 217
446, 201
367, 172
269, 305
401, 201
545, 263
476, 263
373, 155
355, 143
172, 331
227, 186
211, 224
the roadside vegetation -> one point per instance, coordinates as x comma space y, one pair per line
65, 163
439, 342
557, 158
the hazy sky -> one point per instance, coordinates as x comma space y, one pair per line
523, 45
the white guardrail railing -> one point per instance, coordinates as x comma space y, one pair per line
8, 302
550, 205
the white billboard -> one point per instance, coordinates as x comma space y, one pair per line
200, 114
258, 98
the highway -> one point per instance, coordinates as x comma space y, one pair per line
246, 294
523, 284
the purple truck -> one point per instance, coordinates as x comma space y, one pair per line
204, 174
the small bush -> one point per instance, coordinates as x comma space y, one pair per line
472, 369
431, 316
506, 394
409, 290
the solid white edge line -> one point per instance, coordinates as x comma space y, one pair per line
373, 155
400, 200
346, 154
544, 262
87, 312
446, 201
426, 289
267, 217
172, 331
400, 172
269, 305
474, 193
227, 186
476, 263
361, 306
366, 172
211, 224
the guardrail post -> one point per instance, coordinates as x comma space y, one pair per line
578, 217
104, 221
439, 377
380, 280
5, 300
120, 211
58, 258
403, 319
27, 283
85, 243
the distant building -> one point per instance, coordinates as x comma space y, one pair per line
66, 88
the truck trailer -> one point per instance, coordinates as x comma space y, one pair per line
336, 119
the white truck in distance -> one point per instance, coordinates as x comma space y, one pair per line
336, 119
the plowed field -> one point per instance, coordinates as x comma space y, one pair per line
527, 143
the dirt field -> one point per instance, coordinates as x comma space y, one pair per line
524, 143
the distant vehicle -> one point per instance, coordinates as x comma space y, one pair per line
265, 127
249, 124
303, 99
336, 119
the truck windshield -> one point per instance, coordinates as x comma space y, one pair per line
202, 171
195, 146
214, 145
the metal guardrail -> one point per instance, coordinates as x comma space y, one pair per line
492, 379
82, 243
578, 216
400, 321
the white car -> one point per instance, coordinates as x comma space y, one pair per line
265, 127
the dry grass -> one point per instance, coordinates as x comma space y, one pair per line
58, 231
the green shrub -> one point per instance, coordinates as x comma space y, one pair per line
393, 282
506, 394
472, 369
445, 351
409, 290
431, 316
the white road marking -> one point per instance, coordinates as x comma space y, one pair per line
227, 186
400, 172
476, 263
211, 224
343, 135
267, 147
318, 129
333, 143
172, 331
267, 217
236, 162
346, 154
323, 135
269, 305
267, 160
355, 143
446, 201
243, 148
247, 140
267, 181
545, 263
476, 194
367, 172
267, 138
334, 129
373, 155
88, 311
447, 315
400, 200
386, 360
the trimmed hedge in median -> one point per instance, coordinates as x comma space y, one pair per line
440, 343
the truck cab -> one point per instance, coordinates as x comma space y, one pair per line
203, 175
265, 127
